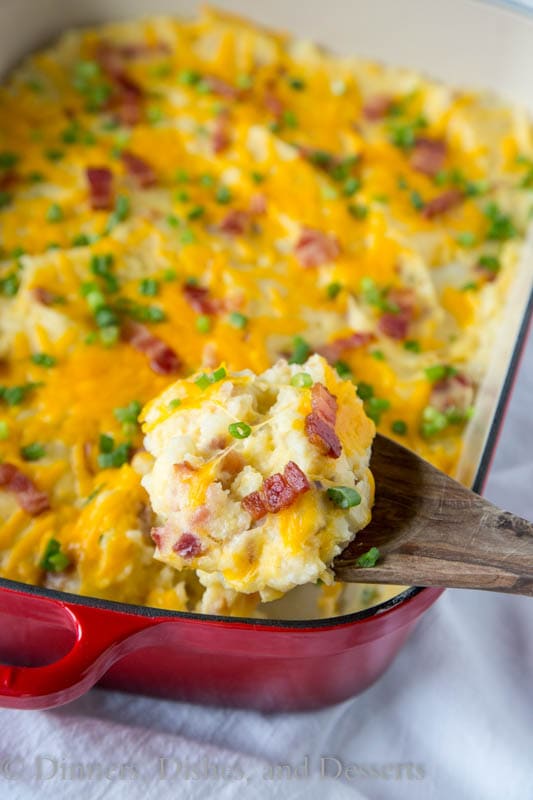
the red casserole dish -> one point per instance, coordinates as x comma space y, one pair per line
55, 646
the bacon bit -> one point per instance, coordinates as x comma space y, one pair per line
428, 156
335, 349
394, 325
199, 300
43, 296
257, 204
320, 423
126, 101
139, 169
29, 497
273, 103
162, 357
253, 503
442, 203
277, 492
188, 546
315, 248
8, 180
404, 298
200, 515
220, 137
234, 223
453, 392
127, 95
296, 479
100, 180
184, 470
221, 87
157, 536
377, 107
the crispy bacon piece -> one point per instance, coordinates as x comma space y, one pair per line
29, 497
188, 546
126, 98
442, 203
453, 392
139, 169
320, 423
220, 137
100, 180
221, 88
428, 155
277, 492
377, 107
315, 248
156, 535
296, 479
43, 296
394, 325
235, 222
273, 103
198, 297
163, 359
254, 504
335, 349
8, 180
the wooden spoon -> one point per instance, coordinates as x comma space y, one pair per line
432, 531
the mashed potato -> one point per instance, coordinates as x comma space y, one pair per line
259, 481
178, 194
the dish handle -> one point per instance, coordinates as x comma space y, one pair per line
100, 639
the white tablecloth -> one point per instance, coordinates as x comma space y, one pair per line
452, 718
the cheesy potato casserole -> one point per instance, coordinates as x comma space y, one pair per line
181, 200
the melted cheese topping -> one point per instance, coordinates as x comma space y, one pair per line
297, 136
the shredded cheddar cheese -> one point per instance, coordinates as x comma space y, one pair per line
177, 195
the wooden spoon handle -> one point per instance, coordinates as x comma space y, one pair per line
452, 537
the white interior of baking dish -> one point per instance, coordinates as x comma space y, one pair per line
467, 43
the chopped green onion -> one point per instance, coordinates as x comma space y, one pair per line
399, 427
290, 119
365, 391
301, 350
438, 372
148, 287
44, 360
32, 452
351, 186
54, 213
344, 496
196, 212
15, 395
416, 201
333, 289
203, 323
302, 380
379, 355
174, 403
129, 413
343, 369
374, 408
298, 84
490, 262
465, 239
412, 345
4, 430
358, 211
238, 320
53, 559
8, 160
369, 559
239, 430
223, 195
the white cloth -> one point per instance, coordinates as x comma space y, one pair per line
452, 717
